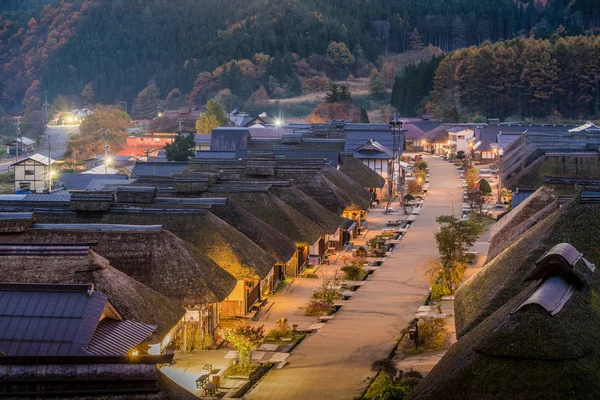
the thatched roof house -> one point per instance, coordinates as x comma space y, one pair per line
503, 278
361, 173
541, 343
270, 209
308, 207
325, 184
64, 262
268, 238
328, 186
520, 219
147, 253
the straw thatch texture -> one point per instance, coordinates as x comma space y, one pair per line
528, 355
567, 165
268, 208
158, 259
360, 173
134, 300
351, 191
504, 232
16, 221
268, 238
503, 277
308, 207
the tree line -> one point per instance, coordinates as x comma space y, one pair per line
119, 46
559, 77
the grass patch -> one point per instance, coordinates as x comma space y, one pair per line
238, 370
283, 284
381, 382
7, 185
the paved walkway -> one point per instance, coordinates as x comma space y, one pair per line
334, 363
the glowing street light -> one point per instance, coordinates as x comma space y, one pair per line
278, 122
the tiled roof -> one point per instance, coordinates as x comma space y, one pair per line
48, 320
81, 181
229, 139
157, 168
113, 337
42, 159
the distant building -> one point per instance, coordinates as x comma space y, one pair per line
143, 146
33, 173
239, 118
26, 145
459, 138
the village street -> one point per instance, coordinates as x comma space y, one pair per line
334, 362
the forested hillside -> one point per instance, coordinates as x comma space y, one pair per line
522, 77
120, 45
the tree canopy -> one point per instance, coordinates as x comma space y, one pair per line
182, 148
212, 118
107, 122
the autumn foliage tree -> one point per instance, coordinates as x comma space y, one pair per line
212, 118
522, 78
244, 339
107, 122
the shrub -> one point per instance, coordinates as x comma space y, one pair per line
485, 187
330, 295
352, 272
412, 374
361, 252
318, 308
240, 370
410, 383
385, 365
432, 333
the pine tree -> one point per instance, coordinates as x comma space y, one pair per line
415, 42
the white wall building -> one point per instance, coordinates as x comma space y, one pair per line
459, 138
33, 173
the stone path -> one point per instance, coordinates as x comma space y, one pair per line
334, 363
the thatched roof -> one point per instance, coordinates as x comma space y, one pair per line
270, 209
268, 238
532, 210
360, 173
503, 277
527, 348
212, 237
148, 254
308, 207
328, 186
134, 300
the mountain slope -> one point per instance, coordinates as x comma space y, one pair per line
119, 45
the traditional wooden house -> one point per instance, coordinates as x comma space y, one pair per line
211, 237
257, 200
505, 275
71, 341
281, 247
124, 305
540, 338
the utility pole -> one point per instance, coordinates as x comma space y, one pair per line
49, 165
106, 148
179, 121
18, 126
499, 200
46, 108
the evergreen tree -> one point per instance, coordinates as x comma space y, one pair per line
364, 116
147, 104
182, 149
415, 42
